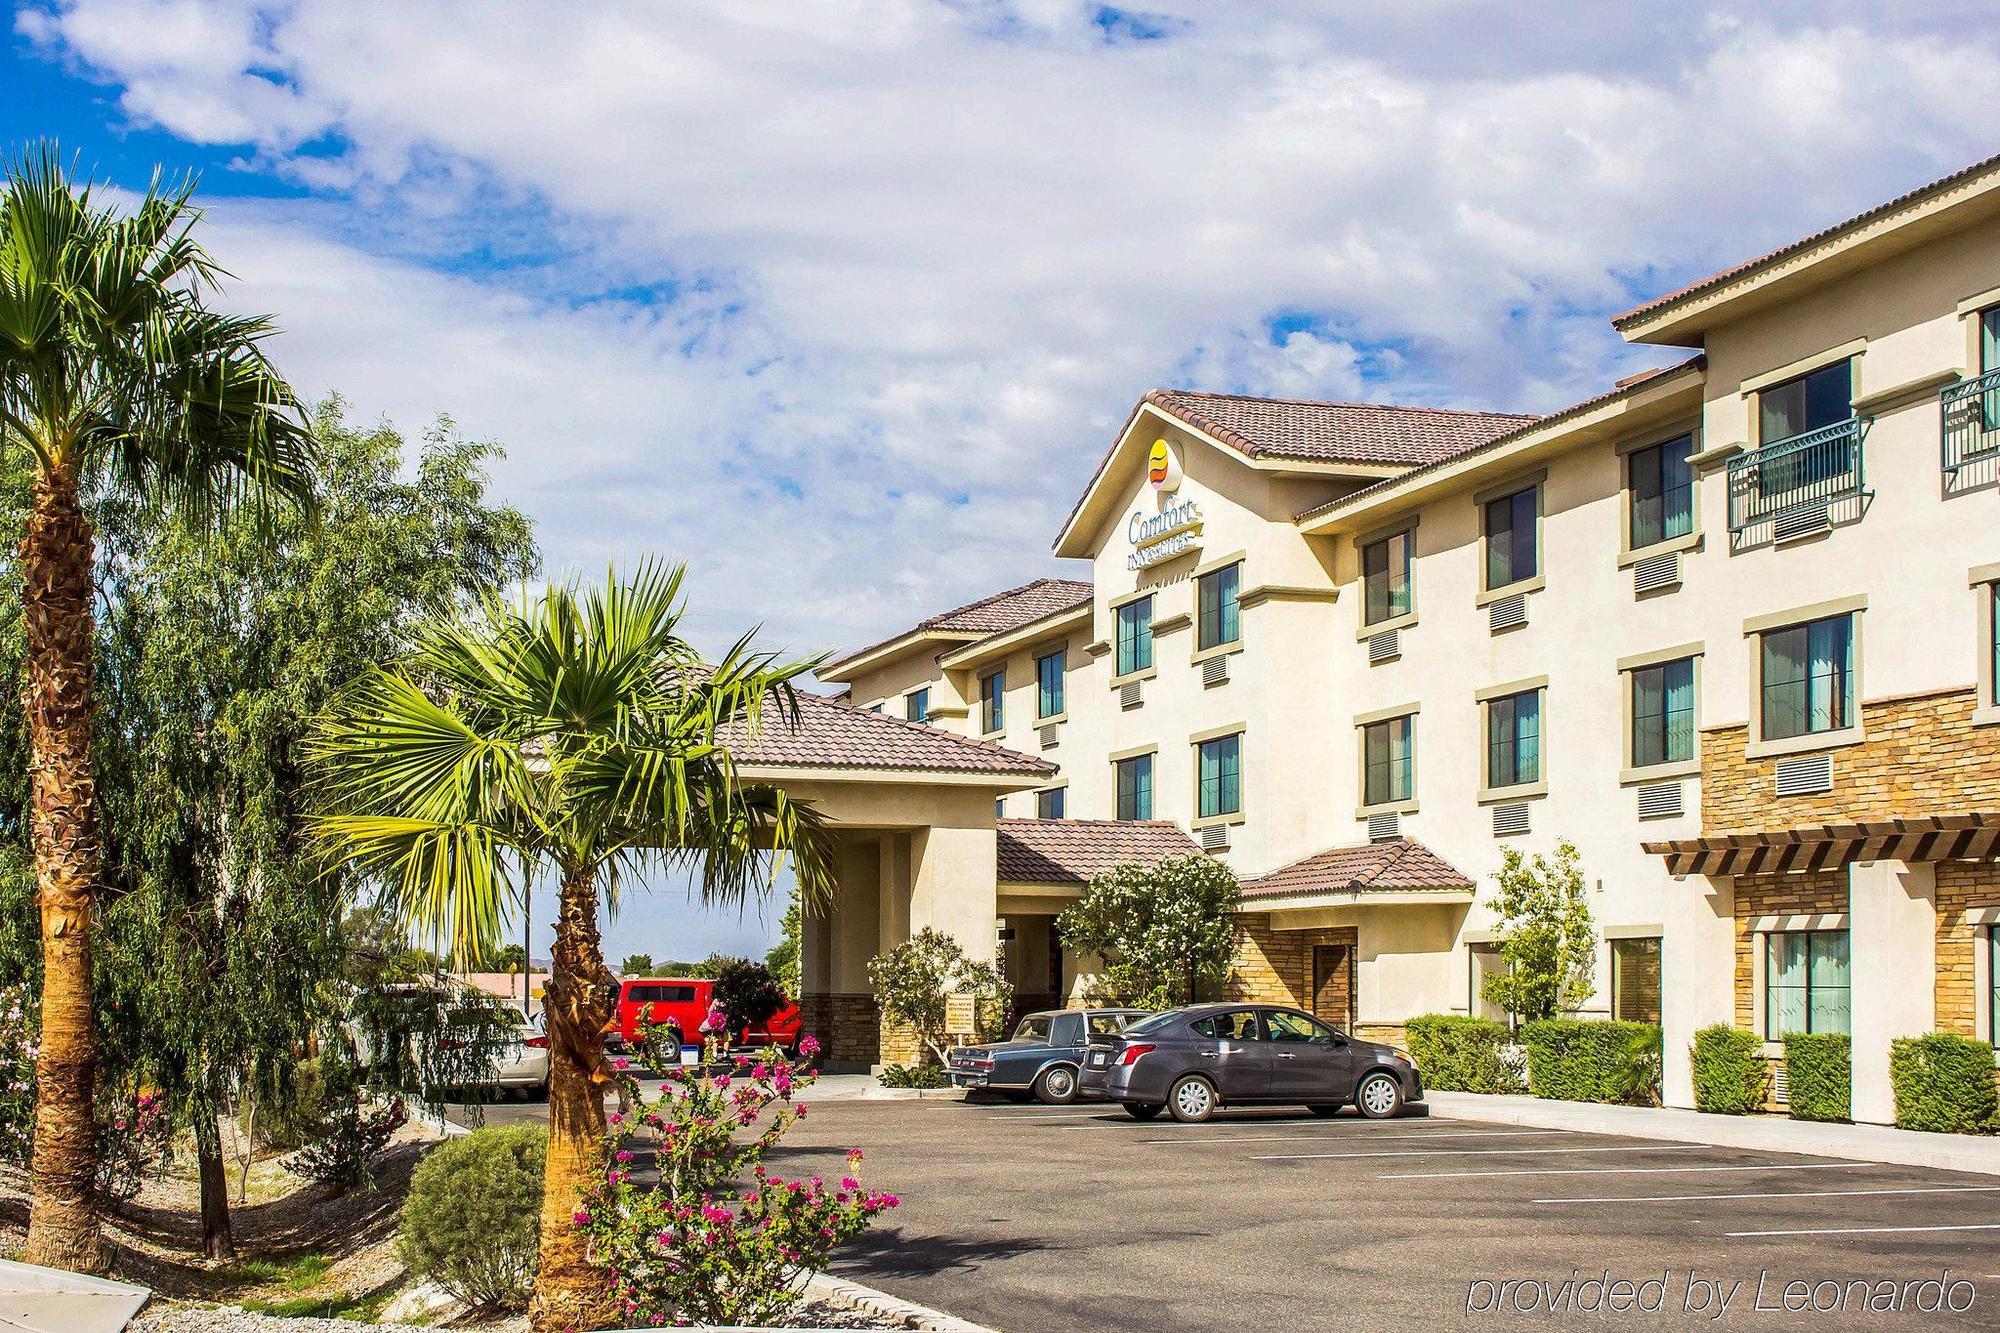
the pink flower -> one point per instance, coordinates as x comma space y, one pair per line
809, 1045
581, 1217
623, 1156
849, 1183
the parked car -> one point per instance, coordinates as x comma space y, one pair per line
681, 1003
523, 1063
1044, 1057
1191, 1061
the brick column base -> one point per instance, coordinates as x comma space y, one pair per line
848, 1029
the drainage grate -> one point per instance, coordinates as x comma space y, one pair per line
1662, 800
1508, 613
1510, 820
1656, 572
1385, 646
1805, 775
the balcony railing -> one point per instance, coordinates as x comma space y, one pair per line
1970, 412
1795, 481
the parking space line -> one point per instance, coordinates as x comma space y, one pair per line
1866, 1231
1479, 1152
1780, 1194
1331, 1135
1633, 1170
1060, 1115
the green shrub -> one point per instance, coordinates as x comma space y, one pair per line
1729, 1070
1593, 1060
470, 1219
1820, 1070
914, 1076
1944, 1083
1461, 1054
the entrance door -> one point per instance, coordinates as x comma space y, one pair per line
1333, 984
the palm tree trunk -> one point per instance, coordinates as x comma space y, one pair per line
56, 557
570, 1293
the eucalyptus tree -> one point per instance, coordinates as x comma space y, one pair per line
576, 734
114, 373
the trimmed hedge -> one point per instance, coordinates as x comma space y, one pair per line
1820, 1068
1593, 1060
1729, 1070
1461, 1054
1944, 1083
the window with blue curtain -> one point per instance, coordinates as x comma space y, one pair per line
917, 705
1215, 604
1135, 636
1806, 982
1514, 739
1808, 678
1989, 360
1385, 578
1993, 984
1051, 670
1135, 787
1219, 777
1784, 411
993, 702
1993, 637
1663, 713
1388, 760
1511, 546
1051, 803
1662, 492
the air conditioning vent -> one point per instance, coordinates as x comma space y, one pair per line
1215, 671
1656, 572
1050, 735
1801, 521
1662, 800
1215, 838
1385, 647
1508, 613
1129, 696
1781, 1085
1510, 820
1385, 827
1805, 775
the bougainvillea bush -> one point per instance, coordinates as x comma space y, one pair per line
134, 1131
714, 1237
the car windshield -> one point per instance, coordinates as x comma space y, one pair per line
1035, 1027
1154, 1023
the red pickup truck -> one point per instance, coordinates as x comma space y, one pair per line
683, 1002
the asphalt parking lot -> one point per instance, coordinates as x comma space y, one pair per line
1028, 1218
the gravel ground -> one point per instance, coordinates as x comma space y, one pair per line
229, 1319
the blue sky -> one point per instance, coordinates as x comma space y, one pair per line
841, 300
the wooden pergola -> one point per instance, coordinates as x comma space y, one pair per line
1973, 836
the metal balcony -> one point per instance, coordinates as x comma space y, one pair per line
1969, 414
1790, 487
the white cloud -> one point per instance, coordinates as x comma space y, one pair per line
953, 242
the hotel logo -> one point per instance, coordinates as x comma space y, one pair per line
1163, 469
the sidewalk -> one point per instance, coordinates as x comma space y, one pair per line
1764, 1133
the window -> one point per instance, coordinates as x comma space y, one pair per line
1993, 642
1993, 984
917, 705
1807, 678
1663, 713
1387, 757
1051, 802
1989, 361
1635, 980
999, 807
1385, 578
1219, 777
993, 702
1282, 1025
1107, 1025
1215, 608
1135, 787
1805, 982
1662, 487
1035, 1027
1051, 670
1514, 739
1511, 554
1815, 399
1135, 636
1237, 1025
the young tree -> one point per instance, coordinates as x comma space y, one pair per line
748, 994
577, 733
114, 374
1547, 940
1165, 931
636, 965
508, 958
914, 982
783, 959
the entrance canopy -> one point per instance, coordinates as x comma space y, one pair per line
1400, 872
1973, 836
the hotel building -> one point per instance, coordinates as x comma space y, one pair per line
1729, 627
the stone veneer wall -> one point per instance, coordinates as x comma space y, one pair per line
1815, 893
1275, 966
1922, 756
1961, 886
848, 1027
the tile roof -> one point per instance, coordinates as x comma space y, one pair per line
995, 614
1334, 432
1073, 851
1378, 867
1748, 266
830, 734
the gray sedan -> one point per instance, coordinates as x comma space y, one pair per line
1191, 1061
1044, 1056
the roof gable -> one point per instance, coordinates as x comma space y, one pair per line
997, 613
1377, 867
1076, 851
1334, 432
828, 734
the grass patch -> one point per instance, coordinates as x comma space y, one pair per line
301, 1272
355, 1309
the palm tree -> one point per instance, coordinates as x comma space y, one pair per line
579, 735
114, 377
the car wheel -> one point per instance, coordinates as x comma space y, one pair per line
1143, 1110
1056, 1086
1379, 1097
1192, 1099
1324, 1109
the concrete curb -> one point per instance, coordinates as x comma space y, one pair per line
853, 1295
882, 1094
1979, 1155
